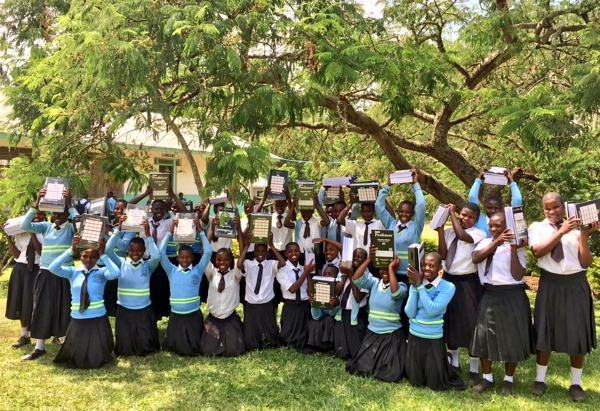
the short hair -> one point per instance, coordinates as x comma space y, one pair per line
472, 207
159, 201
224, 250
138, 241
185, 248
435, 255
340, 202
499, 214
552, 196
291, 243
370, 205
332, 267
407, 202
493, 198
266, 246
121, 200
109, 194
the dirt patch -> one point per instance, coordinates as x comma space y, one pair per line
533, 283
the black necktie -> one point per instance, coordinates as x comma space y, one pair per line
451, 253
155, 232
428, 286
57, 228
338, 233
306, 229
366, 238
401, 227
279, 223
84, 297
488, 263
258, 279
345, 296
187, 271
557, 253
222, 282
30, 254
135, 264
298, 295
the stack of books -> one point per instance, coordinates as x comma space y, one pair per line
495, 176
336, 181
54, 201
439, 218
218, 199
401, 177
13, 226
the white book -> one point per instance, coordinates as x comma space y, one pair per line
439, 218
571, 209
136, 215
515, 221
13, 226
495, 176
336, 181
54, 200
185, 232
347, 251
219, 199
401, 177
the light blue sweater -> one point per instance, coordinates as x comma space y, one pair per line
384, 306
516, 200
425, 309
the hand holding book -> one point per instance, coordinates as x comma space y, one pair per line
415, 277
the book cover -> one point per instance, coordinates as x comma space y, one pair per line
384, 241
218, 199
98, 207
416, 255
277, 180
571, 209
136, 215
495, 176
401, 177
76, 221
305, 191
91, 231
332, 195
260, 227
439, 218
365, 192
323, 289
13, 226
347, 251
54, 201
515, 220
226, 227
587, 212
159, 183
185, 231
336, 181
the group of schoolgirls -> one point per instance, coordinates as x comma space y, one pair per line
479, 303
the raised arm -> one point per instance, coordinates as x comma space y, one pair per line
481, 255
298, 283
244, 251
287, 222
110, 248
384, 215
412, 302
11, 244
27, 224
394, 287
37, 246
327, 240
458, 230
324, 217
419, 205
442, 247
207, 253
474, 191
276, 253
180, 206
344, 213
516, 199
164, 260
139, 198
57, 268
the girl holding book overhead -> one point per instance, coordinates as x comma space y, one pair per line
360, 230
428, 298
564, 312
503, 330
135, 326
381, 354
52, 294
184, 332
89, 341
456, 245
26, 249
260, 320
307, 227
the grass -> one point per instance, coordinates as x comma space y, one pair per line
274, 379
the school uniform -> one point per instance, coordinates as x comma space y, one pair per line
19, 302
281, 237
305, 238
215, 245
184, 331
351, 321
223, 330
296, 308
89, 340
461, 314
404, 235
51, 294
136, 332
426, 355
516, 200
362, 238
503, 330
382, 351
320, 329
110, 290
260, 321
563, 317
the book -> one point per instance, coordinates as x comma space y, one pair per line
495, 176
439, 218
136, 215
515, 220
260, 227
384, 241
332, 195
587, 212
226, 227
189, 206
218, 199
54, 201
416, 255
76, 221
305, 191
159, 183
571, 209
98, 207
277, 180
91, 231
347, 251
336, 181
13, 226
401, 177
185, 231
365, 191
309, 258
323, 289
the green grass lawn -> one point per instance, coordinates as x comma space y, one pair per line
274, 379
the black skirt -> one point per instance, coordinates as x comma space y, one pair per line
51, 312
427, 365
563, 317
88, 344
260, 326
223, 337
503, 331
461, 314
380, 356
135, 332
347, 338
19, 303
110, 297
320, 333
294, 323
184, 334
160, 291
